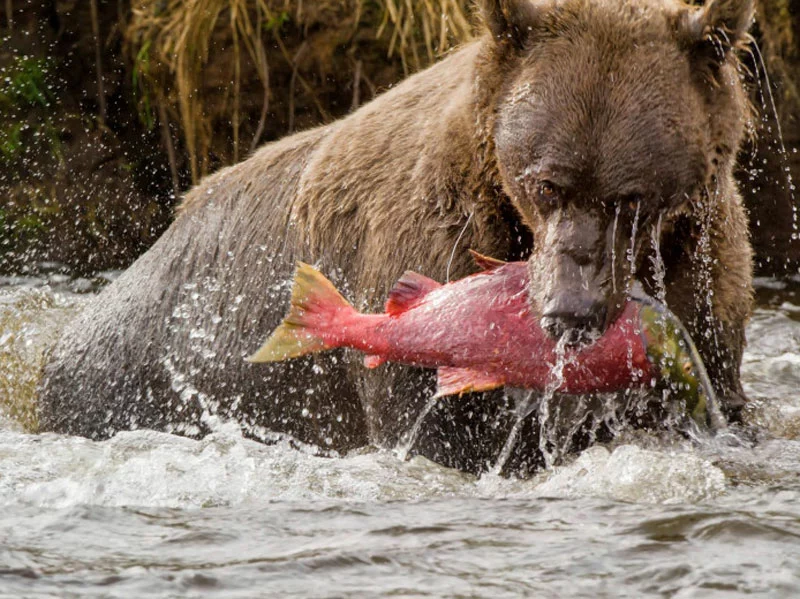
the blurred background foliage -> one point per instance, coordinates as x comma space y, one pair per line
110, 109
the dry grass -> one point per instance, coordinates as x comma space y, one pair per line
169, 45
30, 322
437, 22
19, 379
179, 37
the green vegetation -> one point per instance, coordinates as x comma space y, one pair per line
276, 21
140, 73
26, 88
25, 83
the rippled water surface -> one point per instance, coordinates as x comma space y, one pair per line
147, 514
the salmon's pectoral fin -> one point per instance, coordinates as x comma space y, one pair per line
373, 361
408, 292
452, 381
486, 262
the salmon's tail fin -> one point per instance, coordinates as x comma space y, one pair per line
309, 326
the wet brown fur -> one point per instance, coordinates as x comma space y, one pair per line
411, 181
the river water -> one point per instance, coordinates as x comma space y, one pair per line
147, 514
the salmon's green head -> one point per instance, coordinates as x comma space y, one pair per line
679, 368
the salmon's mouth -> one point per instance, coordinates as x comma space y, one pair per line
670, 349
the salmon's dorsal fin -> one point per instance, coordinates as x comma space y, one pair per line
486, 262
408, 292
457, 381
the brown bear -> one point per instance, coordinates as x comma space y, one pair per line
596, 138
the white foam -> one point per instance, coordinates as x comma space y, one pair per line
147, 468
631, 473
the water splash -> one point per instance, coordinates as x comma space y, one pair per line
614, 249
546, 428
522, 410
547, 447
408, 440
659, 268
771, 96
755, 52
631, 473
704, 263
631, 252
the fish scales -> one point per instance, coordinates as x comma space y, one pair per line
481, 325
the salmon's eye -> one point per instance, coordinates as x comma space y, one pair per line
687, 368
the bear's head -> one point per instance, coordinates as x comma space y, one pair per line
614, 116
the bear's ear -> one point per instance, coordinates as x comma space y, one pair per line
512, 21
710, 32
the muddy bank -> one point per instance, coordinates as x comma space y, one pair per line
113, 109
116, 108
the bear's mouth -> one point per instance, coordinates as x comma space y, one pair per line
576, 328
574, 337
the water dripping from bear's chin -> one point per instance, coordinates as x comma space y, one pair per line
541, 403
657, 262
631, 252
614, 249
408, 439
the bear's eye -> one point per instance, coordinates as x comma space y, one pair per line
547, 191
633, 201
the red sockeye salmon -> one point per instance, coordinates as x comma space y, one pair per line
480, 333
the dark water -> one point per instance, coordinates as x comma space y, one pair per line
151, 515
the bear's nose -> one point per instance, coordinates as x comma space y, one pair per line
579, 320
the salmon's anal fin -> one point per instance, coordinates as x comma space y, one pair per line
486, 262
452, 381
373, 361
315, 304
408, 292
